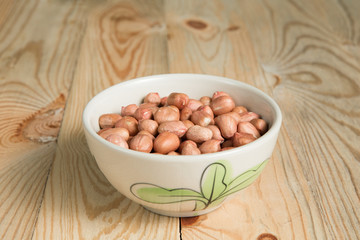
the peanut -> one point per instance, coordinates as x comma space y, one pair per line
117, 140
142, 142
205, 100
260, 125
216, 132
130, 123
198, 134
166, 142
222, 104
148, 125
247, 127
188, 123
185, 113
108, 120
206, 109
227, 125
248, 116
219, 94
201, 118
194, 104
152, 97
239, 109
240, 139
173, 153
164, 114
180, 100
122, 132
210, 146
189, 147
143, 113
176, 127
128, 110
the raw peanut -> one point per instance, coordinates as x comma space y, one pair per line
152, 97
185, 113
227, 143
206, 109
146, 133
148, 125
173, 153
152, 106
216, 132
142, 113
219, 94
247, 127
189, 147
201, 118
102, 130
176, 127
175, 108
165, 114
205, 100
198, 134
163, 101
188, 123
248, 116
234, 115
210, 146
260, 125
129, 110
227, 125
166, 142
118, 140
130, 123
222, 104
226, 148
180, 100
194, 104
122, 132
240, 139
142, 143
239, 109
108, 120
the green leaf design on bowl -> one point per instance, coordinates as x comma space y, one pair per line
215, 185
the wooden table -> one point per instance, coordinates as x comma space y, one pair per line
55, 55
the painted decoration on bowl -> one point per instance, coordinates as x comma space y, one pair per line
215, 185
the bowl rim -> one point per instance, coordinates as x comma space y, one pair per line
274, 129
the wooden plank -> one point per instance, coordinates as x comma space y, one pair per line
39, 42
123, 40
292, 56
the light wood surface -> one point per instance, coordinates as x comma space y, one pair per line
56, 55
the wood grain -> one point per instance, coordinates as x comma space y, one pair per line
39, 42
303, 66
123, 40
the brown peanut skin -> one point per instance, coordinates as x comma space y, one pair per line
227, 125
206, 100
185, 113
218, 94
108, 120
248, 116
165, 114
141, 143
247, 127
194, 104
260, 125
188, 124
216, 132
176, 127
143, 113
180, 100
148, 125
152, 106
227, 143
122, 132
130, 123
173, 153
189, 147
239, 109
206, 109
152, 97
222, 104
199, 134
241, 139
128, 110
201, 118
210, 146
166, 142
117, 140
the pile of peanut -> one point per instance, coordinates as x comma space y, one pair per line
179, 125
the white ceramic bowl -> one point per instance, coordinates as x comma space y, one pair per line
181, 185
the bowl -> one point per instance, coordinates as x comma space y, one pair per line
181, 186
